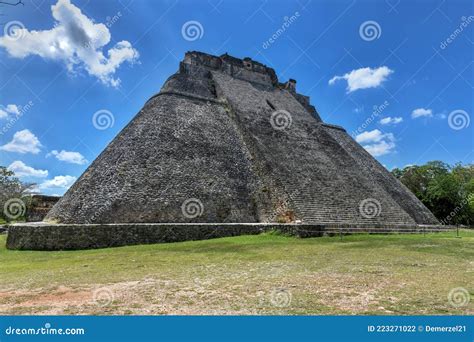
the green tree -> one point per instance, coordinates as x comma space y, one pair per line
14, 195
448, 191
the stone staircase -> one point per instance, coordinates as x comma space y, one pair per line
327, 186
395, 189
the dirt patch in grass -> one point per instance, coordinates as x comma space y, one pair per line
138, 297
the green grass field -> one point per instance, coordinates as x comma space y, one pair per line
265, 274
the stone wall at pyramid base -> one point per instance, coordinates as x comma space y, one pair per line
48, 237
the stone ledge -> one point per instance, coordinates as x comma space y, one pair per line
187, 95
43, 236
333, 126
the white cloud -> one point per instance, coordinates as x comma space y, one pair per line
58, 182
9, 109
363, 78
373, 136
75, 40
389, 120
22, 170
420, 112
376, 143
23, 142
69, 157
381, 148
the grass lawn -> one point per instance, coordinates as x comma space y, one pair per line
265, 274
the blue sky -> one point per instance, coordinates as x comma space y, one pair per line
398, 75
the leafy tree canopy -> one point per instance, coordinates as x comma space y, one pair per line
448, 191
12, 188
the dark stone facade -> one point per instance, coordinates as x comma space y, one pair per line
87, 236
209, 136
39, 207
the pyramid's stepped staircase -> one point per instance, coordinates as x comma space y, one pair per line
404, 197
208, 135
321, 179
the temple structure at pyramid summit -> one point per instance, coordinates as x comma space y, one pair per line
224, 149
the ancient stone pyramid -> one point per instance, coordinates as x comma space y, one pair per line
224, 141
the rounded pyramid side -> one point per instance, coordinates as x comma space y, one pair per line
181, 159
